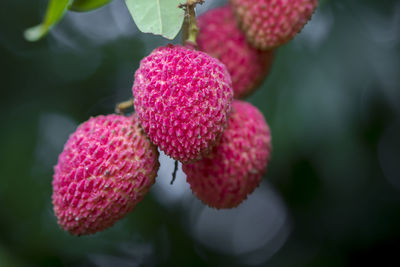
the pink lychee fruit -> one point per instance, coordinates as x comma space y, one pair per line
221, 38
236, 165
271, 23
107, 166
183, 98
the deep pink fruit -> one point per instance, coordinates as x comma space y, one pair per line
183, 98
271, 23
105, 169
221, 38
235, 167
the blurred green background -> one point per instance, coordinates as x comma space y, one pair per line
330, 197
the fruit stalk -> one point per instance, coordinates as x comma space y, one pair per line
190, 29
123, 106
174, 172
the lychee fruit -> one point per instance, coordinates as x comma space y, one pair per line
107, 166
183, 98
234, 168
271, 23
221, 38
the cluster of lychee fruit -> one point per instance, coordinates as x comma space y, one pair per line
186, 104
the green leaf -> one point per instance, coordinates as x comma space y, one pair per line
161, 17
55, 11
87, 5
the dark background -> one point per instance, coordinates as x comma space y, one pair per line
330, 197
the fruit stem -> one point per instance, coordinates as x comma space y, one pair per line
120, 108
175, 171
190, 30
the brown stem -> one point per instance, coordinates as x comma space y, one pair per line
175, 171
121, 107
190, 30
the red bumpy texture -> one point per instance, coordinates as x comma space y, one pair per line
183, 98
221, 38
271, 23
105, 169
235, 167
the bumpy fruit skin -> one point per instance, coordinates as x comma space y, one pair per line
183, 98
221, 38
105, 169
235, 167
271, 23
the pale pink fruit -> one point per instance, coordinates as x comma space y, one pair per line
271, 23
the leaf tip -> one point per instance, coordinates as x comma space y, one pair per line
35, 33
